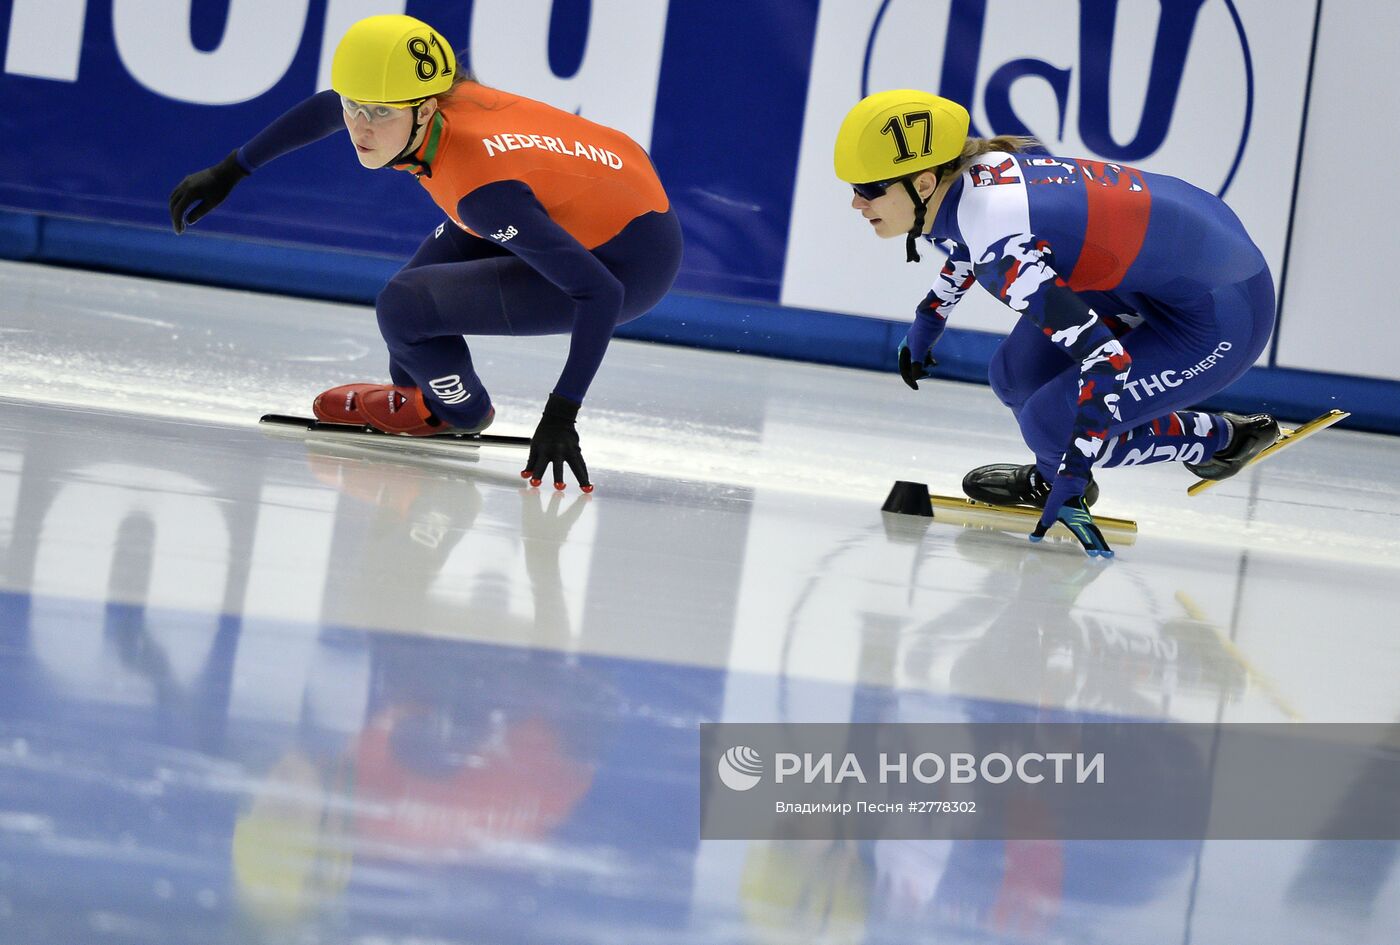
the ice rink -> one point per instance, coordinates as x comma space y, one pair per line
272, 688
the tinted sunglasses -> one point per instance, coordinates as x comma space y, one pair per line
875, 189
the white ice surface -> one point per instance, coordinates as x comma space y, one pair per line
736, 527
780, 468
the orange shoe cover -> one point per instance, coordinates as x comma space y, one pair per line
341, 404
386, 408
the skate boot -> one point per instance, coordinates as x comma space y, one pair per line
386, 408
1008, 484
1249, 436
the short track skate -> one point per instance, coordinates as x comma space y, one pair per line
1286, 439
303, 425
969, 513
913, 498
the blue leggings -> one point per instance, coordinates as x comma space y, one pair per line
457, 284
1180, 357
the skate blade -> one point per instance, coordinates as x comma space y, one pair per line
1286, 439
301, 426
969, 513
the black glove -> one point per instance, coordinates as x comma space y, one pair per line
911, 372
204, 190
556, 441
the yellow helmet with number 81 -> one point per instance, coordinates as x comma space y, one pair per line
892, 134
392, 60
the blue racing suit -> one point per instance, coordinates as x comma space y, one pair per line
1140, 295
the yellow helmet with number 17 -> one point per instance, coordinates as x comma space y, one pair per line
892, 134
392, 60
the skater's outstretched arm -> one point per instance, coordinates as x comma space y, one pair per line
304, 123
307, 122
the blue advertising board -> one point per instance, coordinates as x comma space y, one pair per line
109, 103
107, 125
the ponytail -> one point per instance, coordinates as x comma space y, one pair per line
976, 147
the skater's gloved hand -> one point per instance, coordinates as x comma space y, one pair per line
556, 442
911, 372
1066, 504
206, 189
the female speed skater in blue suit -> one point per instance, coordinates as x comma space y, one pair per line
1140, 295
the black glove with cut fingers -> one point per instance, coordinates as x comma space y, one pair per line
204, 190
914, 371
555, 443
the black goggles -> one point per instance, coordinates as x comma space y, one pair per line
875, 189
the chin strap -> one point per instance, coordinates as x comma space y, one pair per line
911, 254
412, 137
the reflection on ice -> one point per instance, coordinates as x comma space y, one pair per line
256, 688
